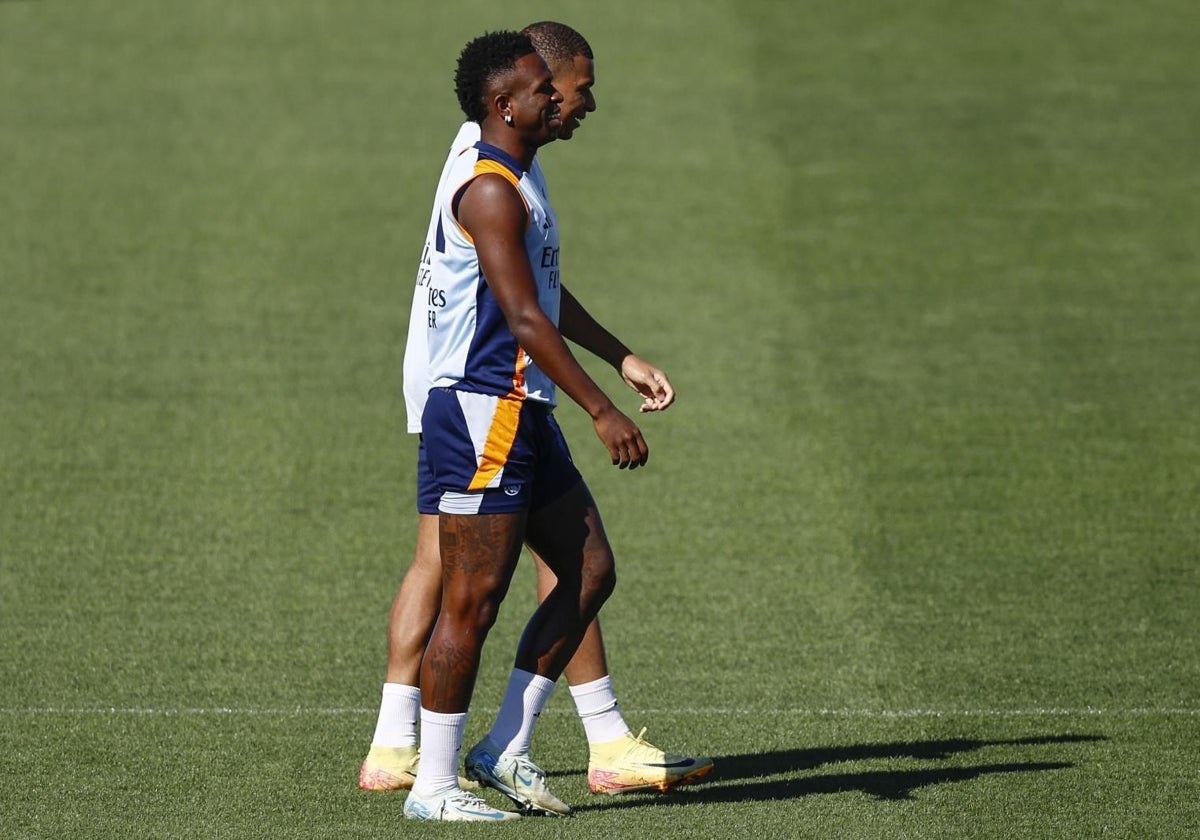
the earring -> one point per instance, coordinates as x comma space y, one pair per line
508, 119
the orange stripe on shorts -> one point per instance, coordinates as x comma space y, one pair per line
500, 437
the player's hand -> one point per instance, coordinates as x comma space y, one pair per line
622, 438
649, 381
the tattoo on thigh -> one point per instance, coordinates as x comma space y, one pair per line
479, 544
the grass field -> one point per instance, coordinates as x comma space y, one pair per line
916, 554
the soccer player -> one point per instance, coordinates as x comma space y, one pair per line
618, 761
491, 443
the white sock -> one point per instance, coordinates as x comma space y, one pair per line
596, 703
524, 700
441, 742
398, 713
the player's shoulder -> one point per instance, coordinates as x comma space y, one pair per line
468, 136
491, 186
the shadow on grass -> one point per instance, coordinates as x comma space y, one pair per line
752, 765
722, 785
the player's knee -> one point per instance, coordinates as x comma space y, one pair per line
477, 605
478, 616
599, 578
473, 620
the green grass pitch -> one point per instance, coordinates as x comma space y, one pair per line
916, 552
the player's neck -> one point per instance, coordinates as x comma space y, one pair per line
504, 138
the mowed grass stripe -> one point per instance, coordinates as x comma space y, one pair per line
722, 712
915, 553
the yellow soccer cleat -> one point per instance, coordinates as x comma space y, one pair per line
395, 768
389, 768
631, 764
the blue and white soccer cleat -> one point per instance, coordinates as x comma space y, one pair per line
456, 805
516, 776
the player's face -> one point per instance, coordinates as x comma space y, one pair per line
535, 102
574, 80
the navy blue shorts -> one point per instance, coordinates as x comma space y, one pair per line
485, 454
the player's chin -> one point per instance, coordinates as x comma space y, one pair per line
567, 130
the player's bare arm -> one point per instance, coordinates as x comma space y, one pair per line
577, 324
493, 213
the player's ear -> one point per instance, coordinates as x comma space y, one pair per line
503, 105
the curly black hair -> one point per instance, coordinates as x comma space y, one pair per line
557, 43
482, 60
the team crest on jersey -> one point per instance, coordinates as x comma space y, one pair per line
512, 489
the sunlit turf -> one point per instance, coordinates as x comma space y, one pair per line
915, 554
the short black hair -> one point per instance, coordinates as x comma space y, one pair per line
482, 60
557, 43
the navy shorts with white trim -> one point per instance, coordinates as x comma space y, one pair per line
487, 454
